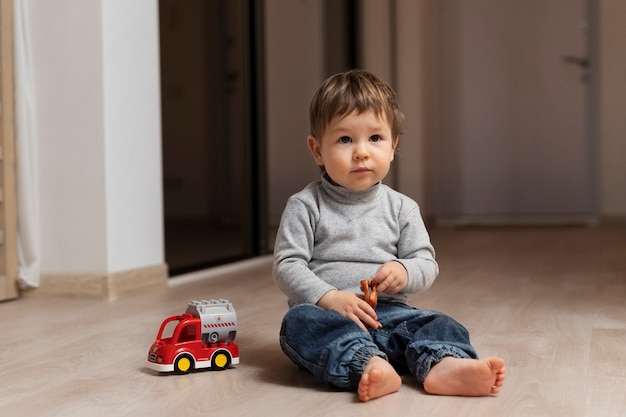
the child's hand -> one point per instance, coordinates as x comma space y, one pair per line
391, 278
351, 306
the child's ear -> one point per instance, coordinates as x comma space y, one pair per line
394, 147
315, 148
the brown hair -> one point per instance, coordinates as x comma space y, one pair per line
354, 91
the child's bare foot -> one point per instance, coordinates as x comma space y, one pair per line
467, 377
378, 379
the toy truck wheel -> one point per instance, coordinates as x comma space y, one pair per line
221, 360
183, 364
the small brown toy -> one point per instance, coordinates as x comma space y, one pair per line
369, 292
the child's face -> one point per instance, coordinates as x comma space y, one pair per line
356, 150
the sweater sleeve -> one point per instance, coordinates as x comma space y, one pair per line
415, 251
292, 253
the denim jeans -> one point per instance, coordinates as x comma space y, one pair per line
335, 349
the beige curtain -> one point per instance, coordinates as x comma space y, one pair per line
26, 152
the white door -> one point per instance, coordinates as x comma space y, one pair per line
514, 143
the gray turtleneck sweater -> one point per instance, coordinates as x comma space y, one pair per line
331, 237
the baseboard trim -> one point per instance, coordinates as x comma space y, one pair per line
613, 220
101, 286
217, 271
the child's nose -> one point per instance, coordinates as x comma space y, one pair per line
361, 152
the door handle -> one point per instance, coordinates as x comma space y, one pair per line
577, 60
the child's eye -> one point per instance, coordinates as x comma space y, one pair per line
345, 139
375, 138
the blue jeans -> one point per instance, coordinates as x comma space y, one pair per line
335, 349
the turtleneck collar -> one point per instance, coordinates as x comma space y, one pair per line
344, 195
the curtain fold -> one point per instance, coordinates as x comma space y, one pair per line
26, 152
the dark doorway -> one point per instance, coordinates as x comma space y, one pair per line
213, 146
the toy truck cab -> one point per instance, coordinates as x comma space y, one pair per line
202, 337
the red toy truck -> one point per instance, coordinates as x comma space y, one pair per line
202, 337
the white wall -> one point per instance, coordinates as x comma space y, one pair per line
132, 134
67, 68
95, 66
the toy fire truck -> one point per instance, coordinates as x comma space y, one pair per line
202, 337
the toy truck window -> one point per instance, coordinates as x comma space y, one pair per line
168, 330
187, 334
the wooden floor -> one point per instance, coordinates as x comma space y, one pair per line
551, 301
